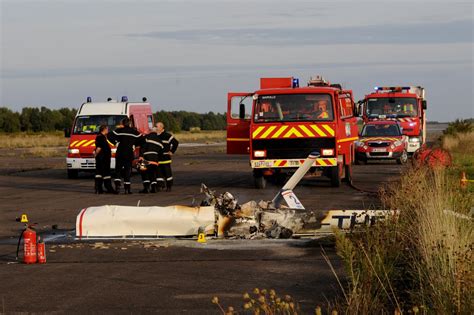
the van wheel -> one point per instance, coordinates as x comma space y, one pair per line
72, 174
259, 180
403, 158
348, 173
335, 176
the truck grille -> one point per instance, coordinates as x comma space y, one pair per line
378, 145
379, 153
292, 148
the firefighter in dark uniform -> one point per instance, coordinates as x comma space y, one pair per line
126, 138
151, 152
170, 145
103, 155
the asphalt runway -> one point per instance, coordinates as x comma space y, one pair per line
167, 276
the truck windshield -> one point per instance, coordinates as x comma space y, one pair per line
293, 107
381, 130
91, 124
392, 107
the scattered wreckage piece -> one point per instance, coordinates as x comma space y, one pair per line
144, 222
222, 216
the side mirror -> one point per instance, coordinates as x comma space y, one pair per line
358, 108
242, 111
67, 133
423, 104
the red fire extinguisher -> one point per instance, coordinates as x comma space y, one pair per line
41, 251
29, 245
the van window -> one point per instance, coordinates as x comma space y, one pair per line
91, 124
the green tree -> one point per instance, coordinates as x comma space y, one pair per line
168, 120
9, 120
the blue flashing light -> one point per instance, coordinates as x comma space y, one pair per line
296, 82
89, 99
376, 88
124, 99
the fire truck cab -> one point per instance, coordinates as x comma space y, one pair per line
406, 105
280, 124
86, 127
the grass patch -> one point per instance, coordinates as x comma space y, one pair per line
199, 136
57, 139
421, 260
33, 140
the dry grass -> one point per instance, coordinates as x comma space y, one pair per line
453, 142
27, 140
208, 136
57, 139
420, 261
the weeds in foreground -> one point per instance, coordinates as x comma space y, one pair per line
263, 301
422, 257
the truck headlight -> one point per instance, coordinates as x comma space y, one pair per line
260, 153
73, 151
397, 143
358, 143
414, 140
327, 152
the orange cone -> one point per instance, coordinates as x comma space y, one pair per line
463, 180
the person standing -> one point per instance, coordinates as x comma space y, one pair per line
170, 145
151, 153
126, 138
103, 155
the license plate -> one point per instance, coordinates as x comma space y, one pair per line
379, 150
263, 164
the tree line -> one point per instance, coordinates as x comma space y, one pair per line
43, 119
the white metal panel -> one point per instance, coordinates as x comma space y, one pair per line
103, 108
122, 221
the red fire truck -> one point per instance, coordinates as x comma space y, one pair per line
282, 123
407, 105
86, 127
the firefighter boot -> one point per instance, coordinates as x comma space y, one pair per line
145, 189
127, 189
108, 186
153, 188
98, 185
169, 184
117, 185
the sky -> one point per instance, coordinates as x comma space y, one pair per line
187, 55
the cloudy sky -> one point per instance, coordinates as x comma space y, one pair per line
188, 54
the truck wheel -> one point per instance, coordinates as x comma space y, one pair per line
335, 176
260, 182
403, 158
348, 173
72, 174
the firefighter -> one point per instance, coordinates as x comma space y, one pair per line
170, 145
103, 155
126, 138
322, 107
151, 152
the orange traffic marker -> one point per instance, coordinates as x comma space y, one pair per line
463, 180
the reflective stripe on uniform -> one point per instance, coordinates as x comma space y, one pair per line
154, 142
126, 134
169, 178
98, 176
165, 162
107, 177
